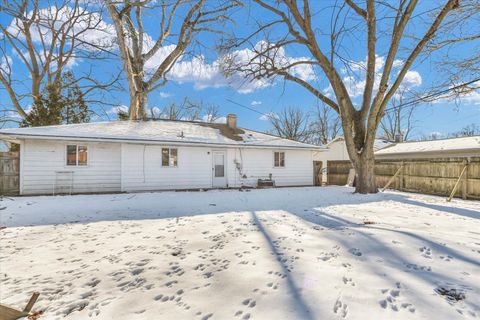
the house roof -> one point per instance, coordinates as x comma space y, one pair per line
377, 145
155, 131
469, 145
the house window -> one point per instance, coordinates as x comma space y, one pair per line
169, 157
279, 159
77, 155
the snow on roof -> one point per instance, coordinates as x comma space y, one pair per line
171, 131
377, 145
447, 145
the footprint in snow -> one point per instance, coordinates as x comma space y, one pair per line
355, 252
426, 252
393, 298
340, 308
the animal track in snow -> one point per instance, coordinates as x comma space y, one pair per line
392, 300
416, 267
325, 256
355, 252
348, 281
426, 252
446, 258
340, 308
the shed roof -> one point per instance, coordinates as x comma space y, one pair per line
156, 131
468, 145
377, 145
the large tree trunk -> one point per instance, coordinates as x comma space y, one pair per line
138, 105
364, 166
359, 141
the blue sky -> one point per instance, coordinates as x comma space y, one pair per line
210, 88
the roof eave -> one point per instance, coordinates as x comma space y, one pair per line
17, 137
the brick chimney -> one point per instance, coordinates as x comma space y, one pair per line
232, 121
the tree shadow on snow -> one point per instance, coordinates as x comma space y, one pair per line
372, 247
304, 311
36, 211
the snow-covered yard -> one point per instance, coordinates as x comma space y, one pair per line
293, 253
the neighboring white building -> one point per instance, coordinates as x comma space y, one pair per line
444, 148
337, 150
129, 156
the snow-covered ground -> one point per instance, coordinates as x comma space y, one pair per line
293, 253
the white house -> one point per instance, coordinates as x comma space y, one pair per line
130, 156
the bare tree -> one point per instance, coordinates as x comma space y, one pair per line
397, 124
404, 30
47, 41
137, 48
186, 110
432, 136
325, 126
460, 36
467, 131
290, 123
212, 113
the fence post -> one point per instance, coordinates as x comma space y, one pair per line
400, 185
457, 183
465, 180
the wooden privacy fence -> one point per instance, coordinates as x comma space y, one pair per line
429, 176
9, 173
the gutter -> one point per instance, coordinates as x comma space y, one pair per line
15, 136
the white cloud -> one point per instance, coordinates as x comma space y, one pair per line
6, 65
397, 63
115, 110
469, 97
79, 22
268, 116
204, 74
208, 118
14, 115
472, 97
412, 79
165, 95
354, 77
255, 103
209, 75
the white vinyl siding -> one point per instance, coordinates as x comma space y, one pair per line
42, 158
259, 164
114, 167
142, 168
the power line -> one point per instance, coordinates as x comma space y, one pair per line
248, 108
406, 104
432, 95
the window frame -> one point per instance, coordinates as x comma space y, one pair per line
77, 146
175, 164
279, 160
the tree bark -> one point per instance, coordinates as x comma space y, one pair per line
138, 105
364, 165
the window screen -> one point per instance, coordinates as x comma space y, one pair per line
279, 159
169, 157
219, 166
77, 155
71, 155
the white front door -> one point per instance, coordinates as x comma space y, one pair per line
219, 179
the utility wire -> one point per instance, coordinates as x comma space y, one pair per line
430, 96
410, 103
